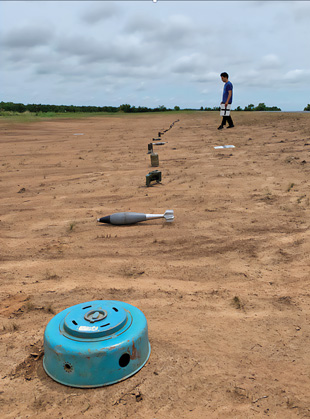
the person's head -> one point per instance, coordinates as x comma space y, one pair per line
224, 77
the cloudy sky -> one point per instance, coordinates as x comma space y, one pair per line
149, 54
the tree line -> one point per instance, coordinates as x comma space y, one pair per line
126, 108
251, 107
37, 108
260, 107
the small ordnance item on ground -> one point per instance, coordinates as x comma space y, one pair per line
156, 139
150, 148
121, 218
96, 343
154, 175
154, 159
224, 146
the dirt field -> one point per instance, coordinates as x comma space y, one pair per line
225, 288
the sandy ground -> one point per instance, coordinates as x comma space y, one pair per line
225, 288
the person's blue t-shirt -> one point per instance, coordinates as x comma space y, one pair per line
227, 86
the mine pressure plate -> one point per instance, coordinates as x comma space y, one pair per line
95, 344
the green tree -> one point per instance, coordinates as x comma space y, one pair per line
177, 108
260, 107
125, 107
307, 108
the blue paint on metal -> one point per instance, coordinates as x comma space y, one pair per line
96, 344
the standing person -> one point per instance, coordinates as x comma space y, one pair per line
226, 100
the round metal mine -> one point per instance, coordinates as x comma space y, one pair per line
95, 344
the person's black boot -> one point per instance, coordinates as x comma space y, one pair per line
220, 127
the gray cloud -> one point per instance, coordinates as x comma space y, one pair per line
92, 51
76, 45
191, 63
207, 77
29, 59
100, 12
255, 78
301, 11
28, 37
17, 56
174, 32
139, 23
114, 50
73, 57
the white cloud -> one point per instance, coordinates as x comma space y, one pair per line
296, 76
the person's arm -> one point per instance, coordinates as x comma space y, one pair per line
228, 98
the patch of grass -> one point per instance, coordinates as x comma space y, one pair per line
17, 117
291, 186
41, 116
301, 198
72, 226
27, 116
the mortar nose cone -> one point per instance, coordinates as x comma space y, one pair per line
104, 220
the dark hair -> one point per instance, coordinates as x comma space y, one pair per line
224, 75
